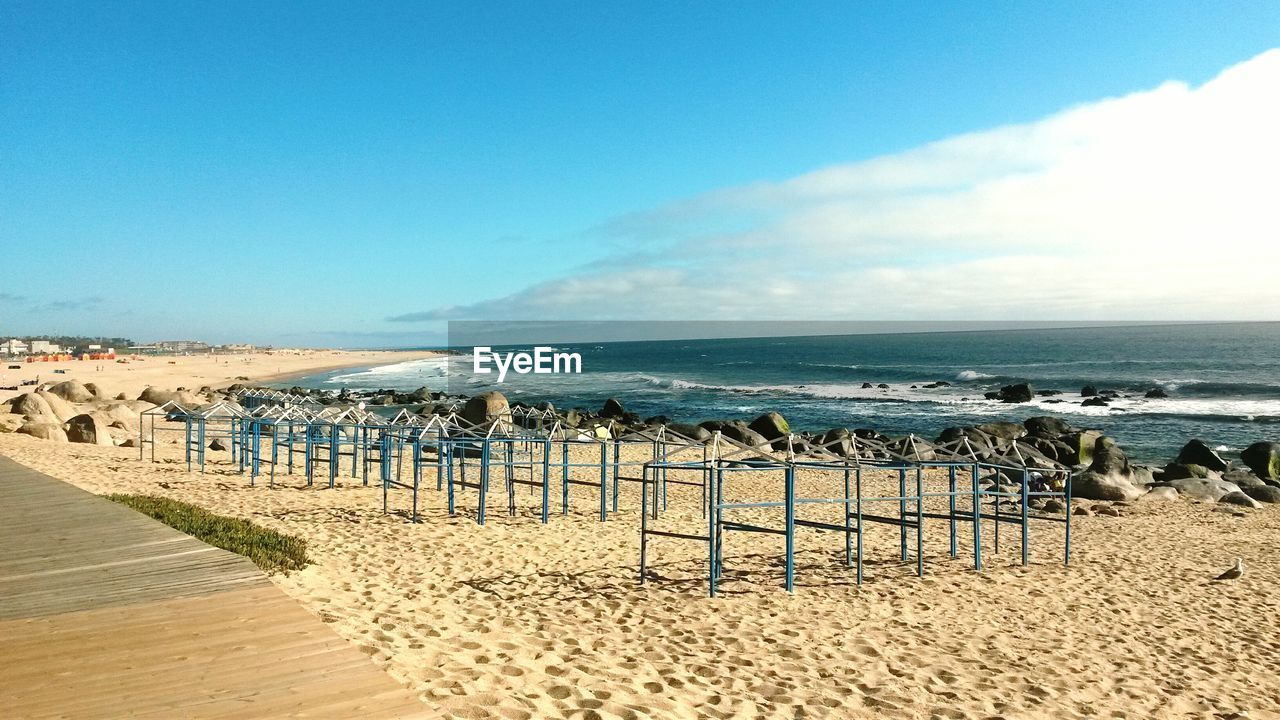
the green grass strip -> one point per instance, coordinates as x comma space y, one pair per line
268, 549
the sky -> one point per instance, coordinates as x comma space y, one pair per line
357, 174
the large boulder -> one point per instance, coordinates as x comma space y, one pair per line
90, 428
72, 391
1210, 489
837, 441
693, 432
33, 407
1006, 431
1240, 499
612, 408
914, 449
1263, 458
486, 407
772, 427
97, 390
120, 414
739, 431
62, 409
1018, 393
160, 396
1108, 457
1091, 485
1081, 445
1046, 427
10, 422
1178, 471
44, 431
1243, 479
1197, 452
1263, 493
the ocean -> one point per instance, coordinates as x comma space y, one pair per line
1222, 381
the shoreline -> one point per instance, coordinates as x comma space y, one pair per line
130, 375
320, 370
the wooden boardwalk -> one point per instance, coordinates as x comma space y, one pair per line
106, 613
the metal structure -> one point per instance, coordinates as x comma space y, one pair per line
965, 495
843, 486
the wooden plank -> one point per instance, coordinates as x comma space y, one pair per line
106, 613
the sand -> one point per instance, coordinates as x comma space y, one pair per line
520, 620
194, 371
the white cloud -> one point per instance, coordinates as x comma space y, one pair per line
1163, 204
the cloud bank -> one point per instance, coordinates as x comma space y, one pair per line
1162, 204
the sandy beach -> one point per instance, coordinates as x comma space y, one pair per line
195, 371
517, 619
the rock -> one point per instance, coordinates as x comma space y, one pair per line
1178, 471
612, 409
1108, 457
1197, 452
97, 391
62, 409
914, 449
1162, 493
838, 441
692, 432
1019, 393
1243, 479
1093, 485
1263, 458
1106, 510
44, 431
1095, 402
1081, 444
1046, 427
867, 386
1240, 499
90, 428
158, 396
1156, 393
217, 444
869, 434
72, 391
421, 395
883, 386
33, 407
1003, 430
128, 442
486, 407
1088, 391
1207, 489
572, 419
10, 422
739, 431
1082, 510
1263, 493
772, 427
1054, 505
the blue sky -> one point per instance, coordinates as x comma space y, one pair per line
305, 173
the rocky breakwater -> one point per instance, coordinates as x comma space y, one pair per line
71, 411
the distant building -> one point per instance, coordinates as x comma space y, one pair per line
238, 348
44, 347
181, 346
13, 347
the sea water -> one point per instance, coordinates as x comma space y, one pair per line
1222, 381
